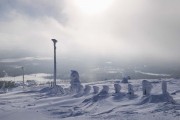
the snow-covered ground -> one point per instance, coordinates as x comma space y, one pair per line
33, 103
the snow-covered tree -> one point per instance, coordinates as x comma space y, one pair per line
105, 89
130, 90
164, 87
75, 82
146, 87
96, 89
87, 89
125, 79
117, 88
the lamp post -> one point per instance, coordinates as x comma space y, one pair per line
23, 75
54, 41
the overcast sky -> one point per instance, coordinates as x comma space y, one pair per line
141, 29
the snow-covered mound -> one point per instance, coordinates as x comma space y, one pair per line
164, 97
55, 90
45, 90
157, 98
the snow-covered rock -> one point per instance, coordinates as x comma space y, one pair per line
95, 89
75, 82
117, 88
146, 87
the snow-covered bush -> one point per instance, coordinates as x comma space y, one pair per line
146, 87
87, 89
130, 90
117, 88
105, 89
101, 95
125, 79
75, 82
96, 89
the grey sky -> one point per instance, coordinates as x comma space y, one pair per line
126, 29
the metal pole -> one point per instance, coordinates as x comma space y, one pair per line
54, 41
23, 75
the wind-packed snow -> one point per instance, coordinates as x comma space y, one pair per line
106, 100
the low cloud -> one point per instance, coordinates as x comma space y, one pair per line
126, 30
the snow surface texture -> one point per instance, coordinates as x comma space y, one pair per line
33, 103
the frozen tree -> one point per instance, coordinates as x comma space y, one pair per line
130, 90
96, 89
75, 82
125, 79
117, 88
87, 89
146, 87
164, 87
105, 89
101, 95
80, 91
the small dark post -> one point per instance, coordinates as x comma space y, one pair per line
54, 41
23, 75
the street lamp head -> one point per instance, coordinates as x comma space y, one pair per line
54, 40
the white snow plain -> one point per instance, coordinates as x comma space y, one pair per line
37, 103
